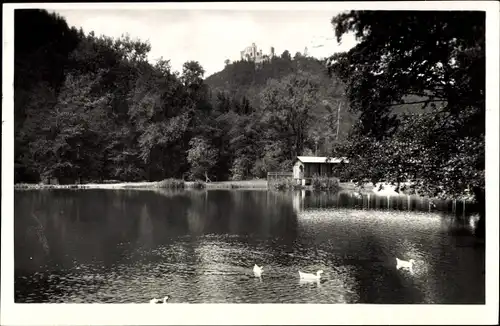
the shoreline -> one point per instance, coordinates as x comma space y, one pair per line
249, 184
258, 184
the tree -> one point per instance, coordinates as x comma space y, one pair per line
426, 59
42, 44
286, 55
244, 143
227, 62
161, 111
202, 157
192, 73
74, 133
287, 106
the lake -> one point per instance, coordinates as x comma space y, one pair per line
129, 246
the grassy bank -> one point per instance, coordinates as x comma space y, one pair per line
164, 184
244, 184
120, 185
317, 183
179, 184
324, 184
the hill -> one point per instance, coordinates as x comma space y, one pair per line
244, 80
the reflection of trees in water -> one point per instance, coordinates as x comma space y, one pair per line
146, 236
100, 225
347, 199
32, 224
458, 260
258, 213
78, 226
247, 213
279, 224
279, 217
238, 212
42, 228
234, 214
40, 231
197, 212
195, 222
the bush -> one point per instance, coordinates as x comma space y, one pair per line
198, 184
171, 183
110, 181
240, 169
325, 183
286, 184
259, 169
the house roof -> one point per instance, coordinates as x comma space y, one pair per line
321, 159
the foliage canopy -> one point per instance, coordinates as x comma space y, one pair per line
428, 59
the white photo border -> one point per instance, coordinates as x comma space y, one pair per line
261, 314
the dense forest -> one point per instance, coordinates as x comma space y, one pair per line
92, 108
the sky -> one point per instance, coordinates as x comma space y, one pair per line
212, 36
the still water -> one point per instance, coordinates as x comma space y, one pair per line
124, 246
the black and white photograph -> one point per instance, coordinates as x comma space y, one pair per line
279, 162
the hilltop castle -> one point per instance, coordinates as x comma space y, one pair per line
251, 53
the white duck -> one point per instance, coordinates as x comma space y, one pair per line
404, 264
257, 271
307, 276
154, 300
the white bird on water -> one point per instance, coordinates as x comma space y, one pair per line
154, 300
307, 276
405, 264
257, 271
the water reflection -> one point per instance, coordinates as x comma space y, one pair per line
201, 246
308, 282
309, 199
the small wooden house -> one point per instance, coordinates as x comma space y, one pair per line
306, 167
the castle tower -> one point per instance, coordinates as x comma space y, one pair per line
272, 52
